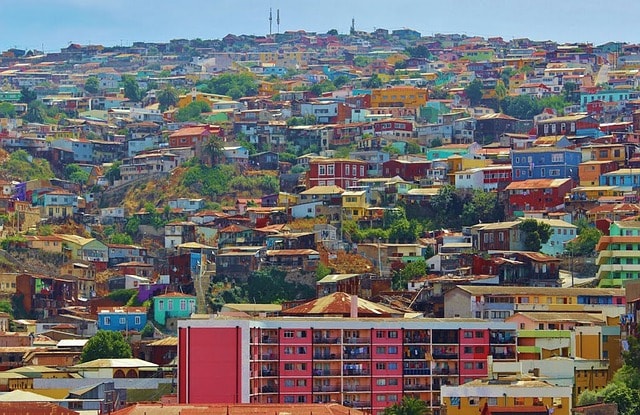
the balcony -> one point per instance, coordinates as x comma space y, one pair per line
357, 404
416, 372
356, 340
269, 339
417, 339
269, 389
417, 387
269, 356
356, 356
326, 372
326, 388
324, 356
269, 372
357, 388
445, 355
326, 340
356, 372
445, 372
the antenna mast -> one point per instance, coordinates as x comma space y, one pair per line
270, 20
278, 20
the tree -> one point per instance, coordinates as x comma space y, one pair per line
192, 111
320, 88
447, 207
420, 51
35, 113
7, 110
587, 397
473, 92
586, 241
523, 107
620, 394
234, 85
92, 85
27, 96
483, 207
410, 271
536, 234
75, 173
131, 88
167, 97
408, 406
332, 32
571, 92
373, 82
106, 345
501, 90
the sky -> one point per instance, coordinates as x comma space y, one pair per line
53, 24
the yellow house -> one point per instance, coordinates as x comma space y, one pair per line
400, 96
287, 199
515, 394
51, 243
197, 96
354, 204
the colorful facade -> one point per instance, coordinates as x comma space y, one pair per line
365, 363
618, 257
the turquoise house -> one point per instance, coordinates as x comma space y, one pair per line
173, 306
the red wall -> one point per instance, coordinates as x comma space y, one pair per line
213, 374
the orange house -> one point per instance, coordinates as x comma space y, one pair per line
589, 172
401, 96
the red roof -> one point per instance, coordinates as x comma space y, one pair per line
34, 408
190, 132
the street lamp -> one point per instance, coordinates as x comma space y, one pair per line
379, 258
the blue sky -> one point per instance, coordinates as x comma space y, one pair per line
52, 24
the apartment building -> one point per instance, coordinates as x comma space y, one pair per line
363, 363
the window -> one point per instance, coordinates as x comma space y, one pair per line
380, 398
480, 365
469, 334
393, 334
381, 382
392, 382
380, 334
301, 382
330, 170
362, 171
473, 401
301, 334
183, 305
392, 398
302, 399
347, 170
170, 305
289, 399
288, 334
288, 350
392, 366
302, 350
122, 320
468, 349
322, 170
107, 321
302, 366
380, 366
161, 305
479, 334
557, 158
492, 401
392, 350
380, 350
289, 383
137, 320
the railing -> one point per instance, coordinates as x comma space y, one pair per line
417, 339
415, 372
269, 389
357, 404
356, 372
356, 388
269, 372
269, 356
267, 339
356, 340
356, 356
324, 356
327, 340
417, 387
445, 372
329, 388
320, 372
441, 355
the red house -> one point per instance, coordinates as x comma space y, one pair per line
396, 127
409, 170
340, 172
191, 136
537, 194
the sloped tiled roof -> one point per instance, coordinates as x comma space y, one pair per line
340, 304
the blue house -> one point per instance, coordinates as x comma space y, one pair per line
122, 318
545, 163
620, 96
621, 177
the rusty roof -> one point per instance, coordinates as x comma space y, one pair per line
537, 184
339, 303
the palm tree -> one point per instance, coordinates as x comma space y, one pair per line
213, 148
408, 406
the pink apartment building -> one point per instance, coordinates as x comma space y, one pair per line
363, 363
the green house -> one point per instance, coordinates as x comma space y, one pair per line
173, 306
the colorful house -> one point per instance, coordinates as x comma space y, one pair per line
561, 233
545, 162
354, 204
618, 260
172, 306
122, 318
544, 195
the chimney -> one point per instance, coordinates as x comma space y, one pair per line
354, 306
